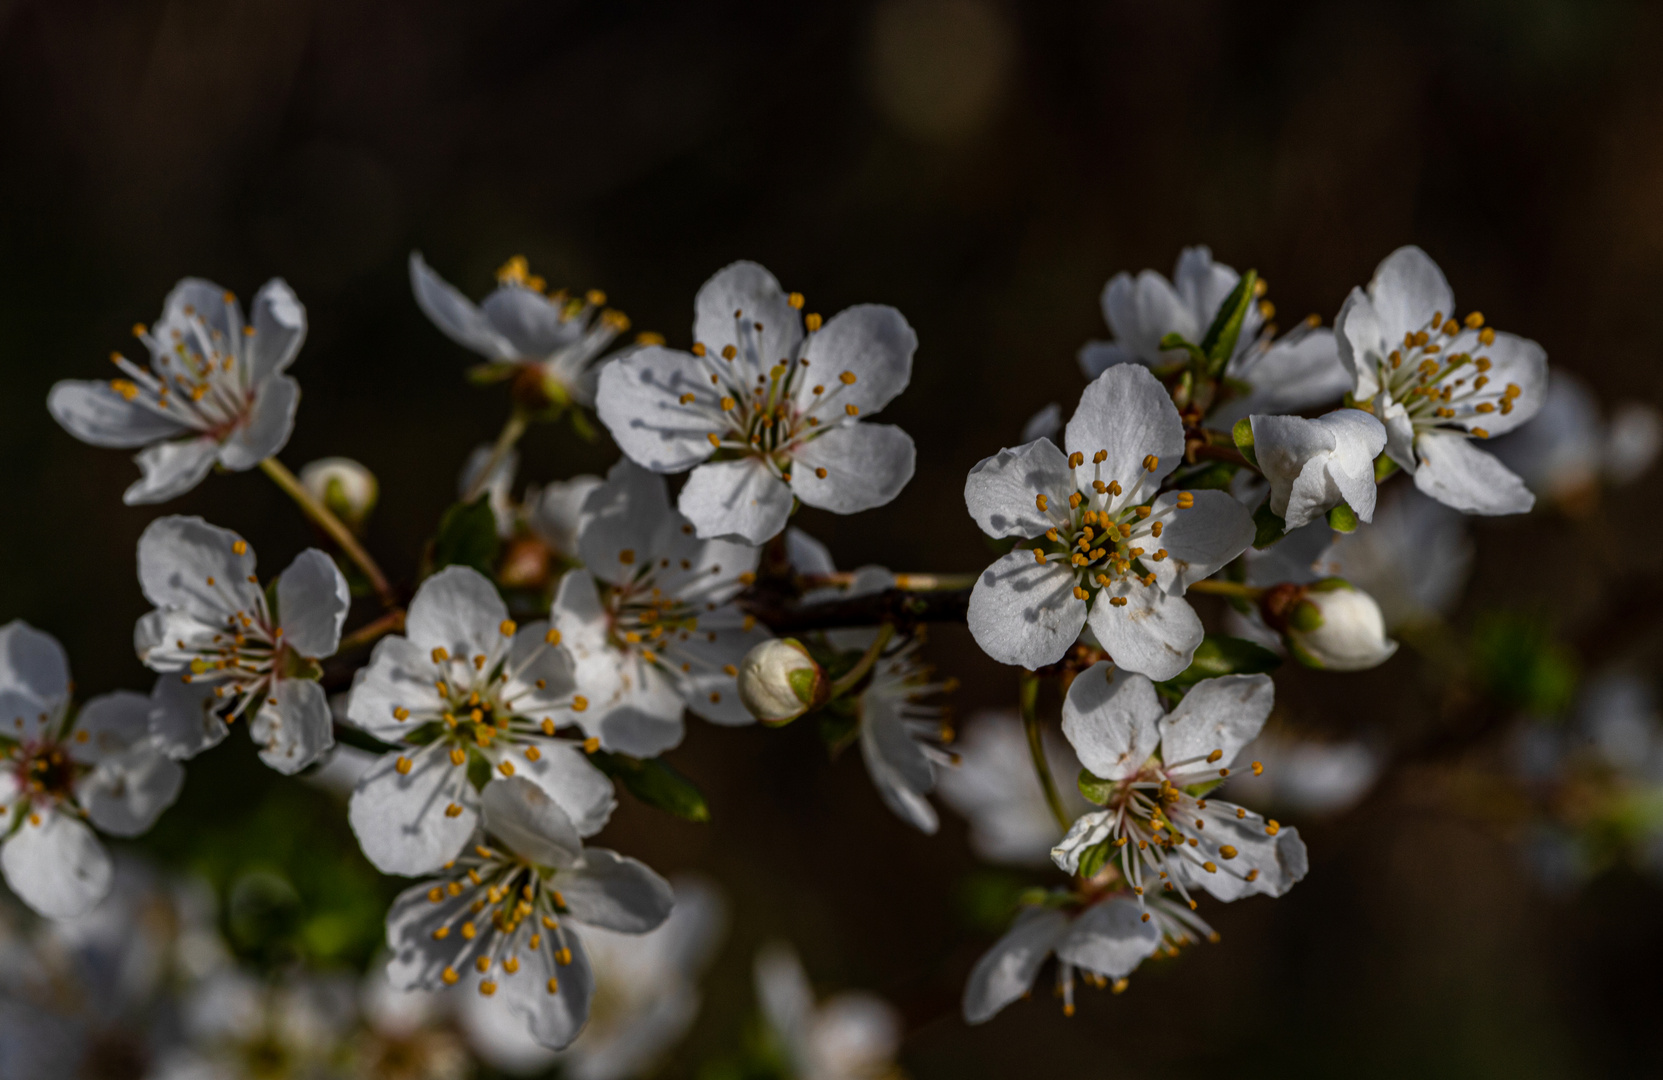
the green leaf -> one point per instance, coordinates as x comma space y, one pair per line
1383, 467
1220, 654
1095, 788
1242, 434
656, 783
1268, 526
1220, 342
1343, 519
1177, 341
467, 537
1092, 859
479, 769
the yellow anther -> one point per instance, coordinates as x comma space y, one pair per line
1076, 459
552, 637
813, 322
564, 956
1227, 852
403, 765
1481, 433
453, 810
440, 655
1487, 335
847, 378
591, 744
687, 399
468, 931
728, 404
1258, 768
1151, 463
1099, 457
579, 703
1272, 828
458, 755
1040, 501
450, 976
627, 556
1117, 601
852, 410
1214, 756
507, 628
506, 767
1114, 487
482, 965
240, 547
554, 985
1512, 391
729, 352
487, 988
1210, 867
1075, 500
1186, 500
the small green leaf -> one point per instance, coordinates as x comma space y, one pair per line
467, 537
1095, 788
656, 783
1220, 343
1268, 526
1220, 654
1242, 433
479, 769
1383, 467
1092, 859
1343, 519
1177, 341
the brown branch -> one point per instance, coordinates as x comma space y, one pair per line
903, 607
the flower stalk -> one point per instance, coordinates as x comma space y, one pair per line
863, 666
334, 526
512, 430
1028, 698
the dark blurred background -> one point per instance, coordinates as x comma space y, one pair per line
985, 167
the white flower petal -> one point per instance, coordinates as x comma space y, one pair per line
1407, 290
400, 819
1204, 285
1514, 361
1361, 342
57, 867
564, 771
708, 689
1298, 371
529, 822
615, 892
293, 726
312, 602
529, 321
1198, 541
1006, 972
183, 719
455, 314
1097, 357
279, 330
639, 401
170, 469
619, 519
806, 555
539, 676
866, 466
873, 343
732, 302
95, 413
1460, 475
1128, 413
897, 765
194, 298
1044, 424
740, 498
458, 610
267, 426
554, 1019
1313, 465
34, 673
110, 724
1110, 938
557, 512
1087, 832
127, 791
1280, 859
1110, 720
400, 675
633, 709
188, 564
1002, 491
1154, 634
1025, 613
1222, 714
1141, 311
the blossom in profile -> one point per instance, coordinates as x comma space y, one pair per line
651, 617
1111, 547
1146, 763
849, 1036
214, 393
66, 772
1102, 942
215, 630
767, 408
555, 340
469, 699
505, 913
995, 788
1438, 383
1314, 465
1293, 373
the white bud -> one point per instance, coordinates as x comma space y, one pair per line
347, 488
779, 681
1338, 626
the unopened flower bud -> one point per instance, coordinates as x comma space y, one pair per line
779, 681
347, 488
1337, 626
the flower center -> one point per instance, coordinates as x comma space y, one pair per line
45, 771
502, 906
1438, 381
196, 376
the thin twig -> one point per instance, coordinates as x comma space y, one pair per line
337, 530
1028, 697
390, 623
852, 677
783, 615
510, 434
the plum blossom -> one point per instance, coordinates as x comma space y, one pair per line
996, 789
1288, 374
851, 1036
1113, 549
1148, 761
651, 616
1314, 465
215, 391
1104, 942
65, 771
469, 699
1335, 626
504, 912
1437, 383
763, 413
214, 628
555, 339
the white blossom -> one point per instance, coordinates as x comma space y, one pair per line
1314, 465
1337, 626
498, 486
555, 512
850, 1036
504, 913
763, 413
1112, 548
1104, 942
1437, 384
996, 789
651, 616
1288, 374
779, 681
1160, 835
214, 628
902, 733
558, 338
215, 391
64, 771
470, 699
